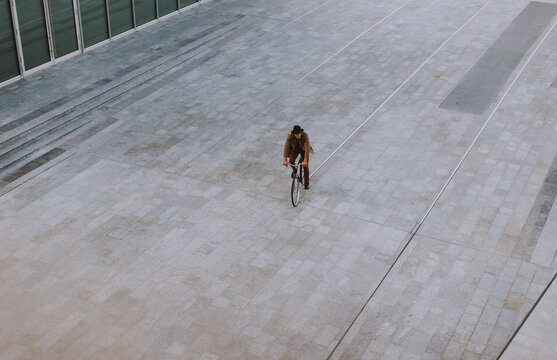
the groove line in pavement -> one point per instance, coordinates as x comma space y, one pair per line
526, 317
354, 40
413, 232
399, 88
305, 14
447, 182
416, 228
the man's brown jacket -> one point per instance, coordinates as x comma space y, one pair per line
291, 143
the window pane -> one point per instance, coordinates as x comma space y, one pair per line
32, 26
121, 16
145, 11
93, 17
63, 26
184, 3
8, 52
167, 6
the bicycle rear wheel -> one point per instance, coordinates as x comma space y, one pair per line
295, 191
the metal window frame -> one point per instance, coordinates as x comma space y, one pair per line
197, 2
17, 36
173, 12
19, 45
110, 37
79, 25
51, 35
10, 81
83, 48
133, 15
79, 33
107, 9
49, 29
77, 22
135, 26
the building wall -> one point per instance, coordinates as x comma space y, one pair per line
37, 33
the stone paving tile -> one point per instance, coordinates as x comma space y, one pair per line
502, 294
170, 234
502, 282
492, 205
154, 41
412, 139
432, 307
183, 272
319, 104
485, 79
535, 340
205, 113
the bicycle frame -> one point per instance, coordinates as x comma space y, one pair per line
297, 182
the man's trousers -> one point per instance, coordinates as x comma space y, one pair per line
293, 155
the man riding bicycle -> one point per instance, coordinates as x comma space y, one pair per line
297, 143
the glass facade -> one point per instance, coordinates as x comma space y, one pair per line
63, 27
93, 21
50, 29
145, 11
184, 3
9, 67
167, 6
32, 28
121, 16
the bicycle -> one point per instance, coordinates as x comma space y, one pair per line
297, 182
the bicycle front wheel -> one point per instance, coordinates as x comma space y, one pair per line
295, 191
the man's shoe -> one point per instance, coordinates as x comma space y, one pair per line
306, 187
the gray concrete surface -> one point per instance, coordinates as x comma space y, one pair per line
145, 212
535, 339
485, 79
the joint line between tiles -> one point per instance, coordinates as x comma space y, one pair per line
448, 181
354, 40
400, 87
526, 317
413, 233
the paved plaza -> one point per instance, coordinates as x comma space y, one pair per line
145, 212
